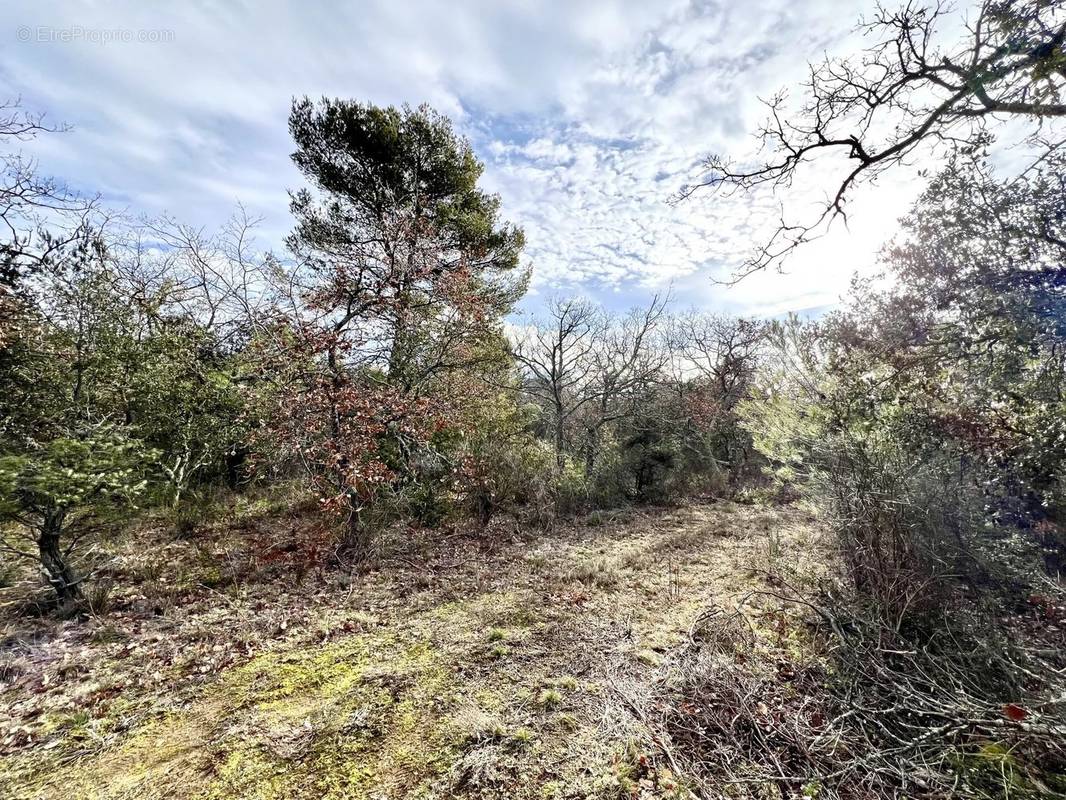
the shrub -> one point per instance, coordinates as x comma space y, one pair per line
64, 490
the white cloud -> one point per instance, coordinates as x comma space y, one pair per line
589, 117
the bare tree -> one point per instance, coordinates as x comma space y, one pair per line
721, 350
558, 358
38, 216
713, 364
222, 279
630, 360
902, 93
589, 369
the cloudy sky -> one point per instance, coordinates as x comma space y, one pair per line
589, 115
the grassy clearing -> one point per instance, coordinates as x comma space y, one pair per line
479, 670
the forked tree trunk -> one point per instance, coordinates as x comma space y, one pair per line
60, 575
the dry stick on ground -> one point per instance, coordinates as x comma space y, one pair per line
658, 739
891, 714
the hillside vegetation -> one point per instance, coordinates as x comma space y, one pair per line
334, 519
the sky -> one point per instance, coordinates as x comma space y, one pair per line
588, 114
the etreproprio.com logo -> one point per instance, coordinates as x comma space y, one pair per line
70, 34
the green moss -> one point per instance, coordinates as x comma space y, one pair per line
379, 724
246, 767
552, 790
325, 722
210, 576
490, 700
505, 610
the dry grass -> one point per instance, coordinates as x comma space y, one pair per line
477, 666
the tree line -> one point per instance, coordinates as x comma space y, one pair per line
372, 361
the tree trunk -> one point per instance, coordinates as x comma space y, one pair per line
60, 575
235, 459
485, 507
592, 447
560, 439
359, 536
